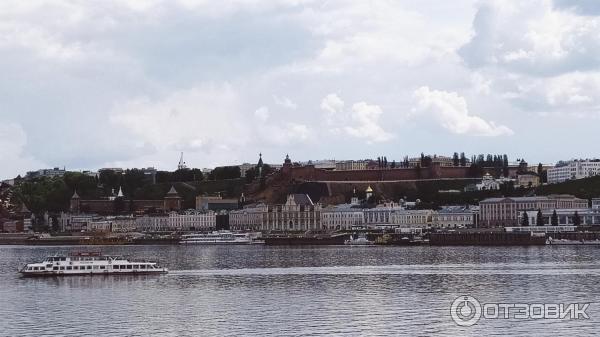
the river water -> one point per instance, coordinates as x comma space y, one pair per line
301, 291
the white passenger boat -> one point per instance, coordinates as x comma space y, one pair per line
89, 263
218, 238
361, 240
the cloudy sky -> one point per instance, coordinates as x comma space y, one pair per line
133, 83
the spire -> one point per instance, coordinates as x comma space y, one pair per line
172, 191
120, 194
260, 161
287, 159
181, 165
75, 195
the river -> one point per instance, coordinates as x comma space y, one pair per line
301, 291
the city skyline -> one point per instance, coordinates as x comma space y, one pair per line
132, 84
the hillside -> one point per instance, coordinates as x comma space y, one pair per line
587, 188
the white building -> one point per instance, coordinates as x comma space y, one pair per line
250, 217
412, 218
341, 217
575, 169
565, 216
380, 214
488, 183
453, 217
351, 165
299, 213
178, 221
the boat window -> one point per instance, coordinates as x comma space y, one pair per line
143, 266
136, 266
129, 266
75, 268
95, 267
29, 268
69, 267
102, 267
89, 267
54, 268
63, 259
34, 268
122, 266
48, 265
62, 268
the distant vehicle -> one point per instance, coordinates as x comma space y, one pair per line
219, 238
89, 263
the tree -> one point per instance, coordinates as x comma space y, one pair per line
393, 164
554, 219
463, 159
576, 219
525, 219
540, 218
455, 159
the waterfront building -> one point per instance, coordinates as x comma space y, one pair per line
122, 224
299, 213
403, 218
571, 170
70, 222
248, 218
342, 217
189, 220
565, 216
504, 212
453, 217
381, 214
596, 204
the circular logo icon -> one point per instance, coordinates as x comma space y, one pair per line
465, 310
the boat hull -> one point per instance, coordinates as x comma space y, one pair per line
90, 273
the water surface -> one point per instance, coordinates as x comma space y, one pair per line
300, 291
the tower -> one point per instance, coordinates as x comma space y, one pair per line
369, 192
172, 201
259, 166
354, 200
75, 203
181, 165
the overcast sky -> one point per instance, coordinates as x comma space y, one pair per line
89, 84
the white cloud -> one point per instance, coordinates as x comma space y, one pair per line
332, 104
361, 122
366, 119
451, 111
285, 102
12, 145
262, 113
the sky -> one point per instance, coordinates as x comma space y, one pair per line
91, 84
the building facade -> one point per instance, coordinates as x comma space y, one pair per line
248, 218
503, 212
575, 169
190, 220
454, 217
299, 213
341, 217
